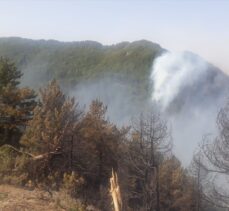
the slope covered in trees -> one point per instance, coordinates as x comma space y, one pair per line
127, 65
73, 62
52, 143
64, 148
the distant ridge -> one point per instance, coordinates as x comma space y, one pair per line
77, 62
73, 62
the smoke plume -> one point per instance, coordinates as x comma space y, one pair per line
190, 93
174, 71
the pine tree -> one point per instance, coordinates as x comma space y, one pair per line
16, 104
176, 186
100, 140
50, 133
53, 122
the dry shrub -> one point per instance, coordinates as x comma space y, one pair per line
13, 168
72, 183
64, 201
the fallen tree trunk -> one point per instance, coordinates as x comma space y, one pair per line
34, 157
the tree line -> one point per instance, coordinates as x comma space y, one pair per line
48, 141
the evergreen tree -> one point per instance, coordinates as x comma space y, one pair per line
50, 133
53, 122
100, 140
176, 187
16, 104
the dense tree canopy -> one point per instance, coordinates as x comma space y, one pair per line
64, 147
77, 62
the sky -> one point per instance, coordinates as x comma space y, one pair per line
200, 26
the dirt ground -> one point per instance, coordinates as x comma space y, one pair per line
18, 199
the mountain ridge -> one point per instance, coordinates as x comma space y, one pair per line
77, 62
73, 62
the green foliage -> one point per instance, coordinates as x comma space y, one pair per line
9, 75
16, 104
75, 62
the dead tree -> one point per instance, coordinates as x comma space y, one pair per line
150, 142
216, 160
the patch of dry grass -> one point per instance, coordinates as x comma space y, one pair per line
18, 199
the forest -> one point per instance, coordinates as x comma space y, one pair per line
73, 62
48, 141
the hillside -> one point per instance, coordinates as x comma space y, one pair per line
74, 62
50, 141
123, 70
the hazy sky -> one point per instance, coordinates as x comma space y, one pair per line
198, 26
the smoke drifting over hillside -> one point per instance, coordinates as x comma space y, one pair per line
187, 89
172, 72
190, 92
116, 94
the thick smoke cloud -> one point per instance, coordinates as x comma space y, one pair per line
190, 92
174, 71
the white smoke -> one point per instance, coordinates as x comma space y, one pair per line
172, 72
173, 76
190, 91
114, 93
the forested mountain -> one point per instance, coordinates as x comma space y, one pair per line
77, 61
128, 63
48, 141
